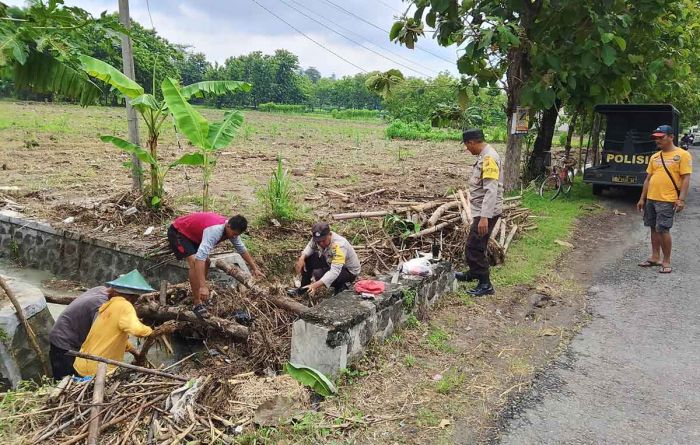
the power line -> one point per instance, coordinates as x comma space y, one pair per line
310, 38
363, 37
383, 30
352, 40
389, 6
148, 8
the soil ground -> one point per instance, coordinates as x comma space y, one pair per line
53, 156
443, 379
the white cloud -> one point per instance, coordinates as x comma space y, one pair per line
222, 29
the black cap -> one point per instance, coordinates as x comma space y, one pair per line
473, 134
320, 230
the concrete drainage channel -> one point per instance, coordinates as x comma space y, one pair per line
329, 337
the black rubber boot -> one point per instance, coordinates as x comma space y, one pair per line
482, 289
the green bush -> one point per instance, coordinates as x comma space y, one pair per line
418, 131
271, 107
496, 134
354, 113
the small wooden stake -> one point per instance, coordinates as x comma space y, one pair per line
163, 293
97, 398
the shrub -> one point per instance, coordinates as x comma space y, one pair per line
354, 113
420, 131
271, 107
278, 196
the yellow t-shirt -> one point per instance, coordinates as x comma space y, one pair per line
109, 334
679, 162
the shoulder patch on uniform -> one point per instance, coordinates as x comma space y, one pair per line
489, 169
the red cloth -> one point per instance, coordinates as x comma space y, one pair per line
193, 225
369, 287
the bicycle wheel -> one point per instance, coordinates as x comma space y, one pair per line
550, 187
566, 185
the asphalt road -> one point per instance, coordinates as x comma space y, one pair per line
633, 374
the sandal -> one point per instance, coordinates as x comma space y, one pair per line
665, 269
649, 263
200, 311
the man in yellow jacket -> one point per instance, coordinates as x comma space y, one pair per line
115, 321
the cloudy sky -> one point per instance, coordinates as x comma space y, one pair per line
221, 29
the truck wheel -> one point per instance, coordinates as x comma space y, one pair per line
598, 189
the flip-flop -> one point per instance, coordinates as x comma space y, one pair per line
665, 269
649, 263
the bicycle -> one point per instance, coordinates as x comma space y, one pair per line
560, 180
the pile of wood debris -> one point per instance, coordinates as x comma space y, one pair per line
142, 408
437, 225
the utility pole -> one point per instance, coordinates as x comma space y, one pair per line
132, 119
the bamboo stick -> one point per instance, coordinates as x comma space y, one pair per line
503, 234
115, 421
465, 204
510, 238
279, 301
127, 365
440, 210
354, 215
496, 229
97, 398
22, 319
435, 228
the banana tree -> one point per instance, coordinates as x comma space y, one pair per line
207, 137
154, 112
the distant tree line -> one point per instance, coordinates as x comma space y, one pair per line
276, 78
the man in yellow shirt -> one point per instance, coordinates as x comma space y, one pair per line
665, 189
115, 321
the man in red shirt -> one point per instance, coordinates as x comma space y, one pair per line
192, 238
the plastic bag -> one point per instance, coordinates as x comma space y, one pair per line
417, 266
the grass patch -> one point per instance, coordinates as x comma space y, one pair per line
536, 251
438, 339
417, 131
279, 197
449, 382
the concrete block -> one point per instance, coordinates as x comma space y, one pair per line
18, 360
310, 348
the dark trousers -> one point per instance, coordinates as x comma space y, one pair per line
316, 267
61, 363
475, 252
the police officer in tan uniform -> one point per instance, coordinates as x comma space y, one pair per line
486, 200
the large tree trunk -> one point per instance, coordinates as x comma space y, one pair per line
543, 143
570, 133
517, 74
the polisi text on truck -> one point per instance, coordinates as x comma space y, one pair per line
627, 159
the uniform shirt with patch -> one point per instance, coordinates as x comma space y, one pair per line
339, 253
486, 184
679, 162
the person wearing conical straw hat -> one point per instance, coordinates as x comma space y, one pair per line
115, 321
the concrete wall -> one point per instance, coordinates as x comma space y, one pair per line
69, 254
18, 360
337, 330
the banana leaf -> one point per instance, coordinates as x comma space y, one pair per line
110, 75
222, 133
188, 120
217, 87
128, 147
312, 378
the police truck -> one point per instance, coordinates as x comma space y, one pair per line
625, 129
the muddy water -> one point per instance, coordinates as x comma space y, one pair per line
157, 355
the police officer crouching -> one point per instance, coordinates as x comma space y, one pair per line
486, 200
